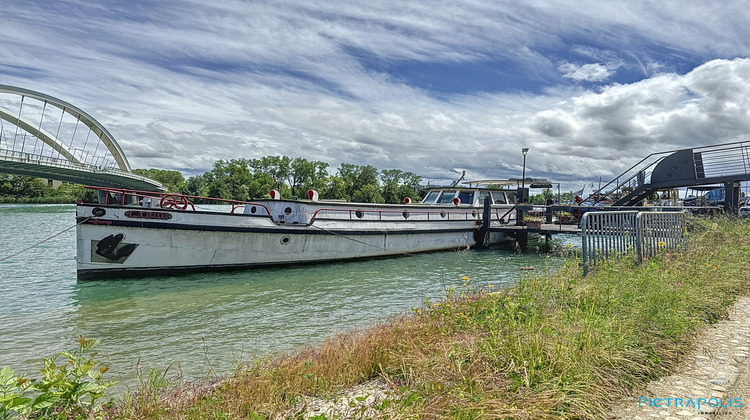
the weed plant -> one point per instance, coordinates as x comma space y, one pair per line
66, 390
557, 346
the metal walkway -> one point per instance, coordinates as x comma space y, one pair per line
727, 164
46, 137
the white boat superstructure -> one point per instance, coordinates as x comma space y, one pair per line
136, 233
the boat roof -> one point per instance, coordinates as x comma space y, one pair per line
531, 182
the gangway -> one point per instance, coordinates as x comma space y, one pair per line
726, 164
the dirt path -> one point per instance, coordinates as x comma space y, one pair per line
713, 384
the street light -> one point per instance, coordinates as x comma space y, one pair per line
523, 176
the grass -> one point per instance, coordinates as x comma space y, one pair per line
557, 346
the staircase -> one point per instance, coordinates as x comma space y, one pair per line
717, 164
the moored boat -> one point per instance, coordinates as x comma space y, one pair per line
129, 233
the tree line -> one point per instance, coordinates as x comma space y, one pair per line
249, 179
252, 179
27, 189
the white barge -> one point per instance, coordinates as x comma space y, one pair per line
134, 233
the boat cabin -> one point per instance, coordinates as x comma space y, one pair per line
469, 196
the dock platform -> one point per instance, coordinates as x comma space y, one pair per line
547, 228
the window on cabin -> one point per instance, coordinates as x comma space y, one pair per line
447, 197
482, 195
499, 197
466, 197
431, 197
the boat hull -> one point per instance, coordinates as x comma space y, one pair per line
122, 241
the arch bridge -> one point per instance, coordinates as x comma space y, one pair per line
46, 137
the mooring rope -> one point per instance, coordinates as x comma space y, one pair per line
42, 241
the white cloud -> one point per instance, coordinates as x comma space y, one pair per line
181, 85
585, 73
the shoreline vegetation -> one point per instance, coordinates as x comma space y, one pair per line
556, 346
251, 179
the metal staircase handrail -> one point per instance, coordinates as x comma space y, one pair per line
617, 179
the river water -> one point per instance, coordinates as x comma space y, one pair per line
204, 323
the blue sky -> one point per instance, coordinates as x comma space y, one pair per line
433, 87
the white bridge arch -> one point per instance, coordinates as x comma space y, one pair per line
48, 137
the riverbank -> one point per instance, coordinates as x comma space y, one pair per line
556, 346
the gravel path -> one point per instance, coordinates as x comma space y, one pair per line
713, 384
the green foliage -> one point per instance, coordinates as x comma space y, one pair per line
26, 189
21, 186
69, 388
173, 181
242, 179
398, 184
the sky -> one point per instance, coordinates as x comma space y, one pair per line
432, 87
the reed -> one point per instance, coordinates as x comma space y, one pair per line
557, 346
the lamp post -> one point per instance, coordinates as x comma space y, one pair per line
523, 176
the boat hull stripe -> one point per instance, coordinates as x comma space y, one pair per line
308, 230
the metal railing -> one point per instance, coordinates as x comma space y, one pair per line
643, 234
659, 232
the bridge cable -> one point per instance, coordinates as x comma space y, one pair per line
57, 134
43, 241
39, 130
19, 119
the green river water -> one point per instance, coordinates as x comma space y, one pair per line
205, 323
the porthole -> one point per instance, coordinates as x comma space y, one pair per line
288, 210
405, 214
442, 214
473, 214
285, 240
98, 212
253, 209
359, 213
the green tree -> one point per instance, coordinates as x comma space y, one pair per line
356, 178
198, 185
230, 180
368, 194
22, 186
173, 181
398, 184
278, 167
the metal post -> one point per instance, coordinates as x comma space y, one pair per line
523, 175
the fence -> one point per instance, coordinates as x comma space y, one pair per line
621, 232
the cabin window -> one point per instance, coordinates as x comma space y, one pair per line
431, 197
447, 197
483, 195
499, 197
512, 198
466, 197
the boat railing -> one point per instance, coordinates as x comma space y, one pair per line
429, 214
151, 199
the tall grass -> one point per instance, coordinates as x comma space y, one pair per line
556, 346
